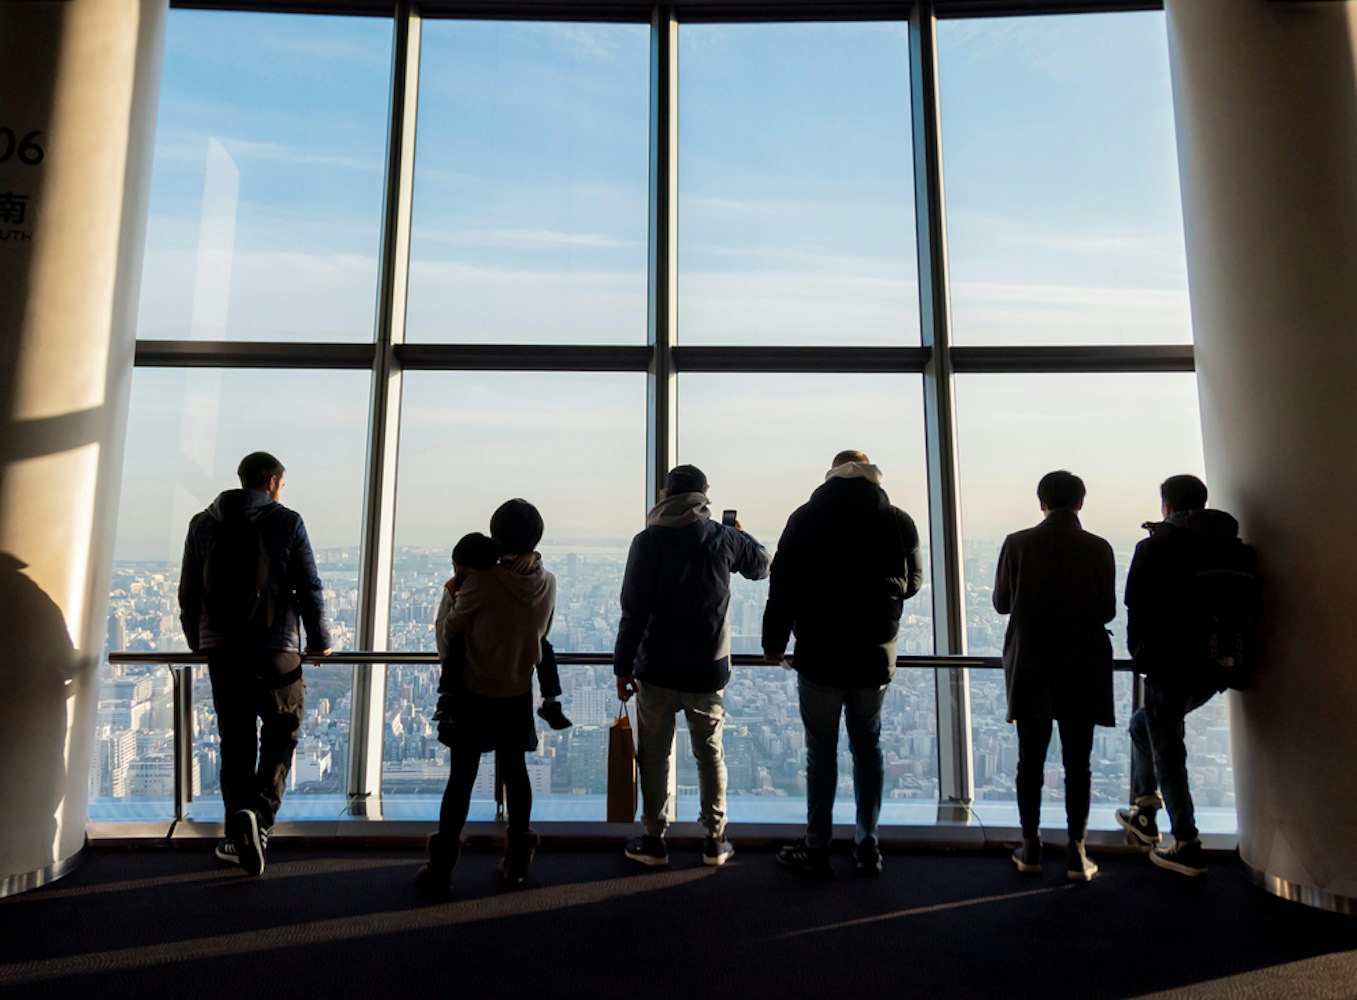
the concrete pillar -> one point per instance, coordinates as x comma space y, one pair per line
80, 80
1265, 98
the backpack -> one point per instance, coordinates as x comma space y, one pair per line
236, 569
1225, 602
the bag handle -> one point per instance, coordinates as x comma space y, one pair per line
622, 712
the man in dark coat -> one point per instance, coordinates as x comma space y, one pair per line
247, 587
1056, 582
673, 652
845, 564
1163, 630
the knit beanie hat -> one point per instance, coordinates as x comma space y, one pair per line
685, 479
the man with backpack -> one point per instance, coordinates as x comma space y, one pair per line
1192, 602
247, 587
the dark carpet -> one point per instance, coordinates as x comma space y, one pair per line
175, 923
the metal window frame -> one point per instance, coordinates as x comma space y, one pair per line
661, 358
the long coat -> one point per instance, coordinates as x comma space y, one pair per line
1056, 582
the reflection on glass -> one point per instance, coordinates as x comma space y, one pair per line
187, 430
1064, 223
531, 184
266, 195
795, 198
765, 443
1123, 434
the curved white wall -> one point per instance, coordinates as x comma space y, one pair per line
85, 76
1265, 98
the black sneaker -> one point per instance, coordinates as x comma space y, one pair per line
803, 858
717, 850
1141, 829
1078, 866
248, 841
867, 859
1028, 856
648, 850
226, 849
1187, 858
554, 716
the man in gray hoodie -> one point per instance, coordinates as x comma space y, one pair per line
673, 651
247, 587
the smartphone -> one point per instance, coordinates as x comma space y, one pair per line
728, 517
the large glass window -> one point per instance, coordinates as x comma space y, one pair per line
1123, 434
187, 431
266, 196
1064, 222
795, 197
531, 184
765, 443
573, 444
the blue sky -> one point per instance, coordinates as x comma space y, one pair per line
530, 226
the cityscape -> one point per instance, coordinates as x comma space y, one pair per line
764, 743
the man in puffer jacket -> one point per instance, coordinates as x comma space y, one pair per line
247, 587
845, 565
673, 650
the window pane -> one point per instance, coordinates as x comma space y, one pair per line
266, 196
765, 443
1123, 434
187, 430
532, 184
574, 445
1064, 223
796, 204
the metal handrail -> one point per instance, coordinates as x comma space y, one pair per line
575, 659
183, 697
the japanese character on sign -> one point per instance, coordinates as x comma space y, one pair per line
13, 208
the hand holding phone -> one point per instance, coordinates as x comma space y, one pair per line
729, 518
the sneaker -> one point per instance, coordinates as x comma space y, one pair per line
1028, 856
1078, 866
867, 859
226, 849
1185, 857
248, 841
717, 850
554, 716
1141, 829
648, 850
805, 859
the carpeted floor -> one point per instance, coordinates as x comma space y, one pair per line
152, 923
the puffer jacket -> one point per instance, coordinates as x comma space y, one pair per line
845, 565
294, 583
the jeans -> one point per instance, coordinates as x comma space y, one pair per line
1076, 745
1158, 751
247, 686
656, 708
821, 707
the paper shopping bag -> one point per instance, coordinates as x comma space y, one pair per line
621, 769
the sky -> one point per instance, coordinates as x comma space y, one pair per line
795, 227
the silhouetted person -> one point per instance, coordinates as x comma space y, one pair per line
845, 565
673, 651
247, 588
1056, 582
1192, 559
503, 612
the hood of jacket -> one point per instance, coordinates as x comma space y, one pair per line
1212, 524
522, 578
849, 496
679, 511
252, 504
